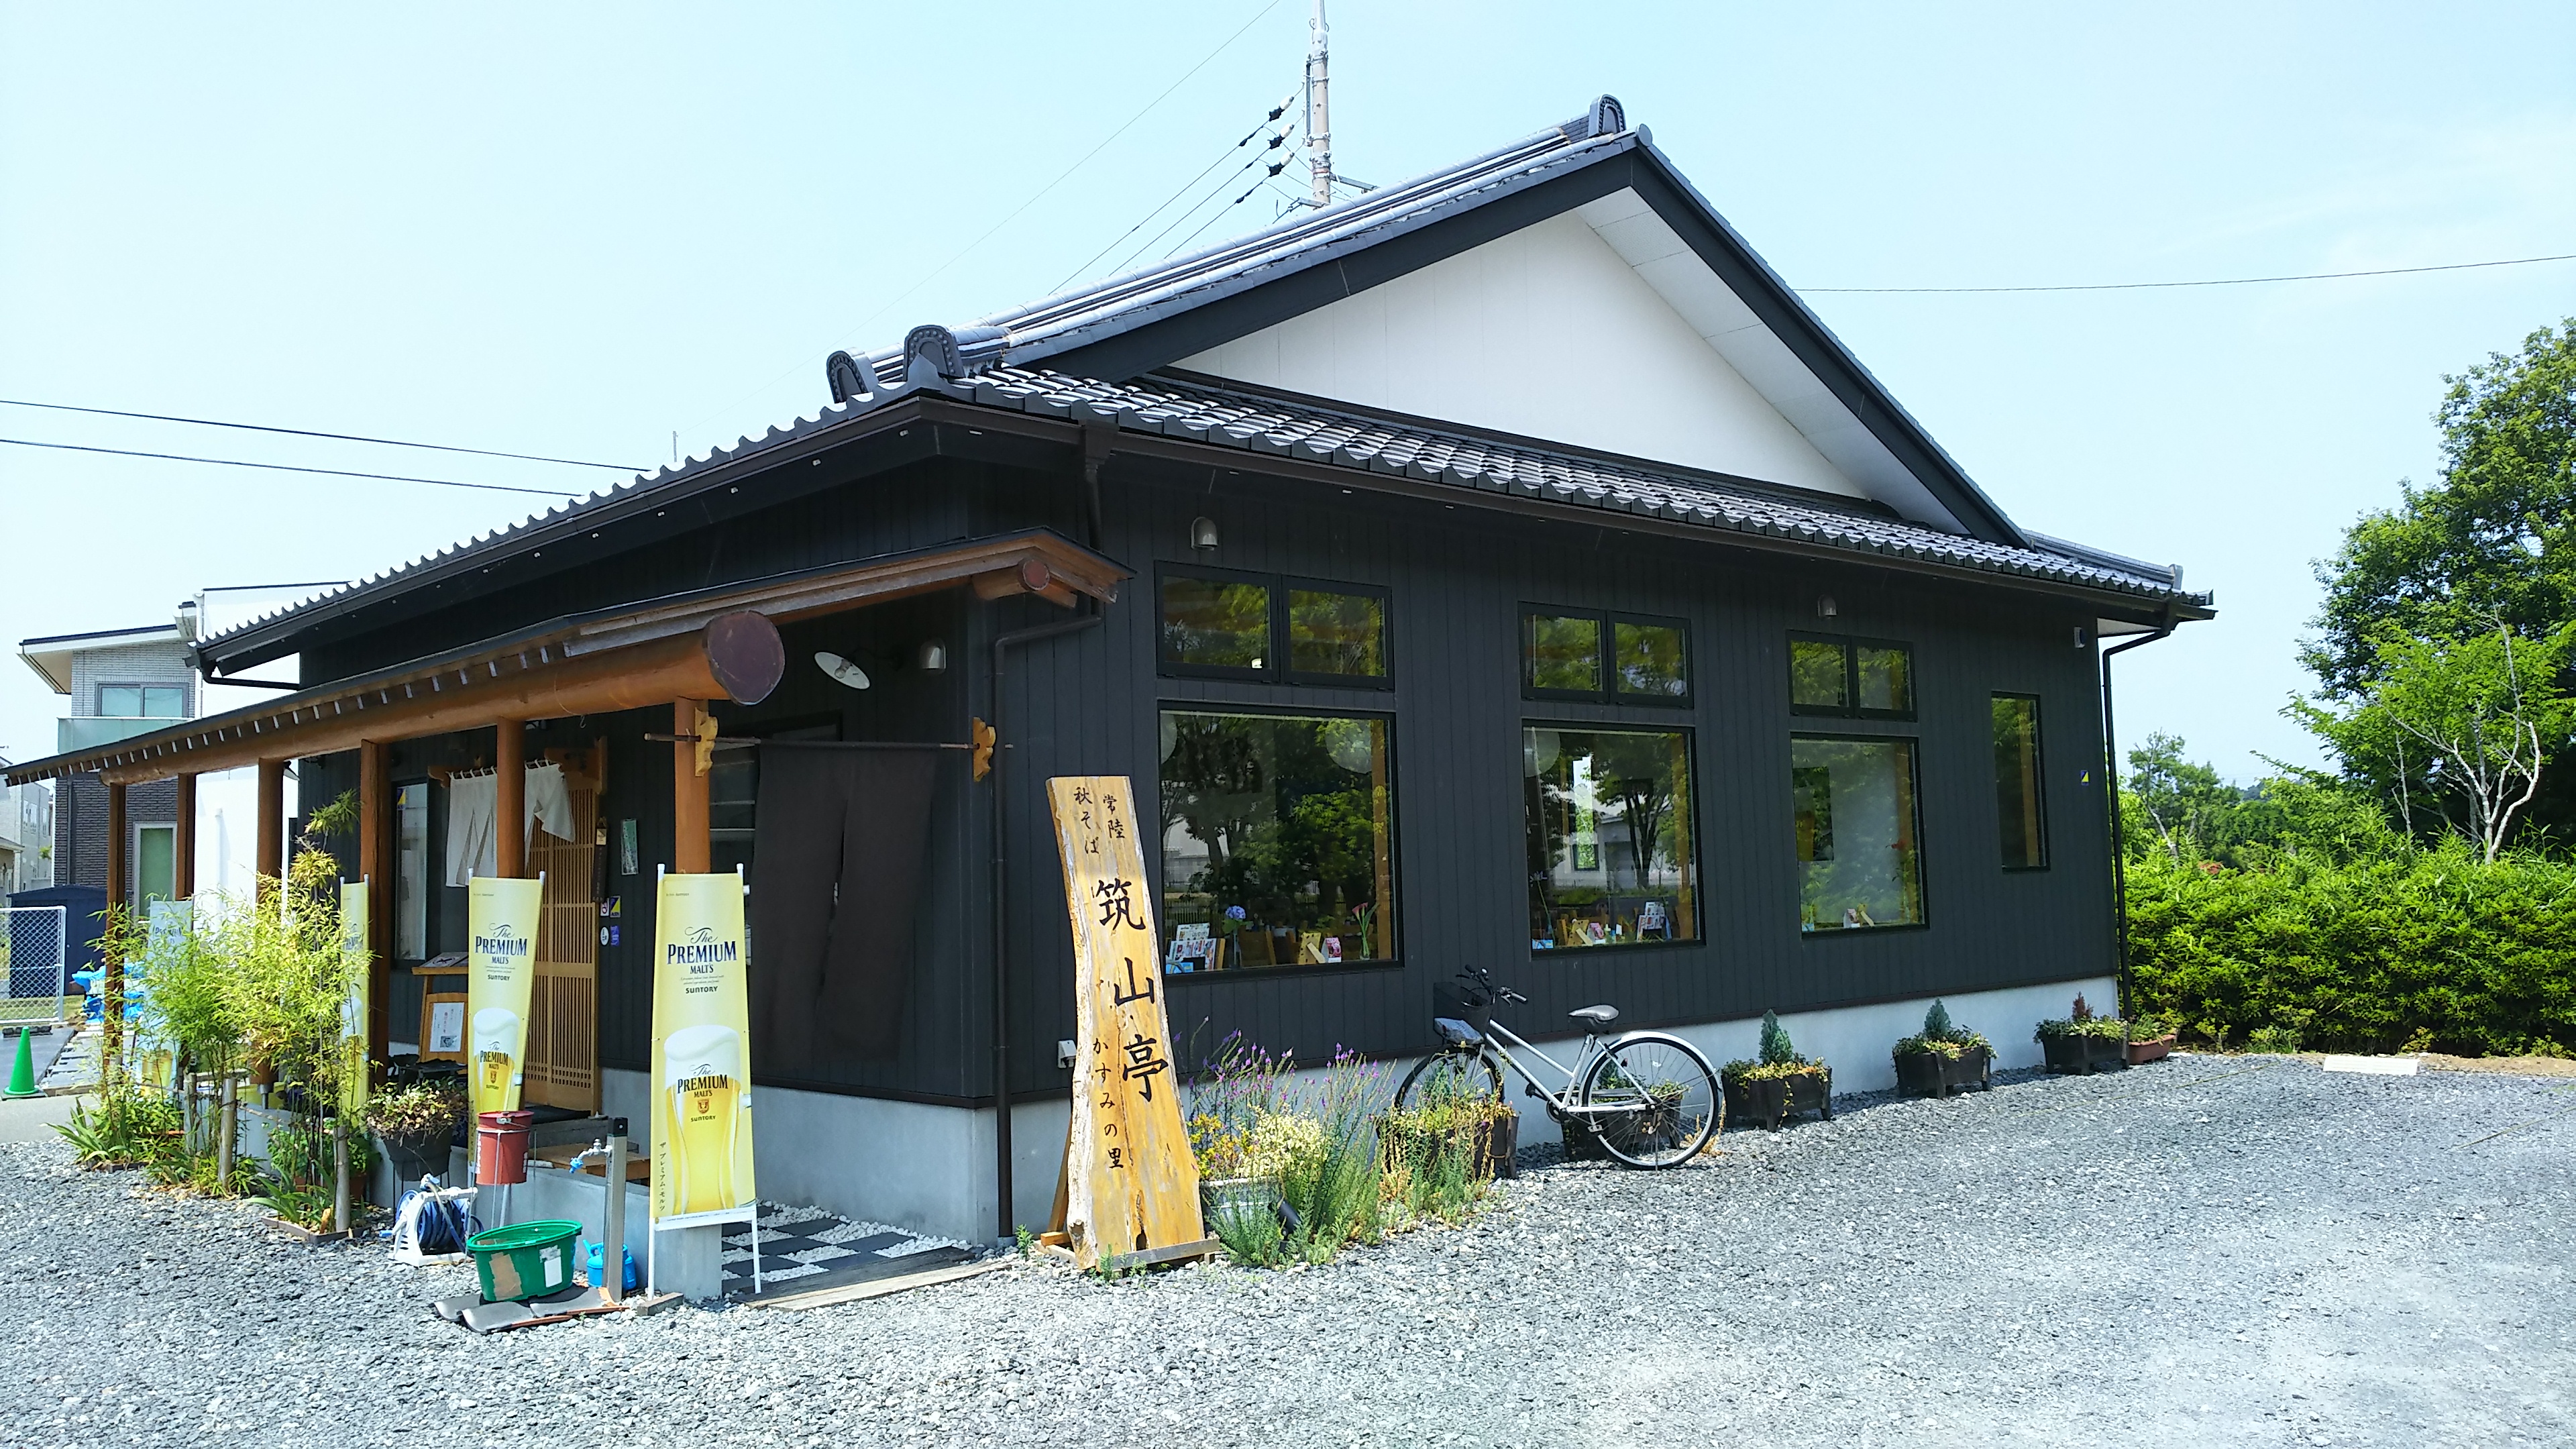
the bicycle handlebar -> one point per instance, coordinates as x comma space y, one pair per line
1479, 976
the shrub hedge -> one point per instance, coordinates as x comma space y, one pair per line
2404, 949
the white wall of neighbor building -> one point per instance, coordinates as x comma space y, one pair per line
929, 1169
1549, 333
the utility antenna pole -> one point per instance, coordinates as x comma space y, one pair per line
1319, 122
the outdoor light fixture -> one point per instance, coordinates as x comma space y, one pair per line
1203, 534
1825, 606
841, 670
934, 656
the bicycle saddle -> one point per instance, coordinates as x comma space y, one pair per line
1595, 1015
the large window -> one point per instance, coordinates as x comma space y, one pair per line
1264, 627
1619, 658
2017, 800
1609, 821
1852, 801
1278, 841
1869, 679
142, 701
156, 863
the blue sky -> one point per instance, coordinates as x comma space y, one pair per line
577, 231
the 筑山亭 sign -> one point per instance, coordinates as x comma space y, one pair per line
1131, 1183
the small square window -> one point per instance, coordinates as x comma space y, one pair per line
1335, 634
1651, 659
1863, 677
1886, 679
1215, 623
1818, 677
1562, 652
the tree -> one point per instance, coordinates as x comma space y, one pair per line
2481, 715
2182, 802
2496, 537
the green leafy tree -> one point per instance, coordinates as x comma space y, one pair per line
2469, 722
2183, 803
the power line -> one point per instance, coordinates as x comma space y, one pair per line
1061, 177
1276, 112
282, 467
308, 433
2217, 282
1258, 157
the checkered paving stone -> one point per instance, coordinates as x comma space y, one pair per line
798, 1242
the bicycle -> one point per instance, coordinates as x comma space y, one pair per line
1649, 1098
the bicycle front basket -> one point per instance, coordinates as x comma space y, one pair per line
1473, 1005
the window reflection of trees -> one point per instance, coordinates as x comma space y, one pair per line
1634, 789
1292, 817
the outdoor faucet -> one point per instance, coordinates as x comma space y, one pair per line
597, 1148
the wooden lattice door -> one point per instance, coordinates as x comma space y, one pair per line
563, 1004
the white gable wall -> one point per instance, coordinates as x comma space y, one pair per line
1598, 328
1548, 333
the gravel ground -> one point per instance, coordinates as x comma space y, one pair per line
2208, 1250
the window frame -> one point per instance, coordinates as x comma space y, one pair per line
142, 699
1277, 670
1699, 879
1608, 622
1914, 797
1394, 844
2038, 783
1851, 645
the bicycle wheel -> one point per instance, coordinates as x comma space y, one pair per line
1458, 1074
1653, 1100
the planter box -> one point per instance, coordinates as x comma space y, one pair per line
1772, 1099
414, 1157
1497, 1143
2154, 1049
1937, 1074
1224, 1199
2085, 1054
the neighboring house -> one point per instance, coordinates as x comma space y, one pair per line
26, 837
1504, 568
119, 683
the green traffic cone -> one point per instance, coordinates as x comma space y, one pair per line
22, 1073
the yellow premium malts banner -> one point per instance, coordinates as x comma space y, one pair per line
353, 1016
501, 920
701, 1054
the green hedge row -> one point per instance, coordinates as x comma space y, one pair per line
2408, 950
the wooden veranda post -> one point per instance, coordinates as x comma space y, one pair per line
691, 850
510, 802
183, 852
375, 837
270, 857
112, 984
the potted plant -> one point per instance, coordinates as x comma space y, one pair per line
2151, 1038
1943, 1057
2083, 1042
1780, 1084
416, 1123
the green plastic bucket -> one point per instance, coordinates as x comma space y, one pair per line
525, 1260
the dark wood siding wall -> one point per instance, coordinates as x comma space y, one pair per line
1088, 702
1457, 578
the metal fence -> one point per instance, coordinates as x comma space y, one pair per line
33, 950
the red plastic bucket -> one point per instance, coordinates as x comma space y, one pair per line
501, 1148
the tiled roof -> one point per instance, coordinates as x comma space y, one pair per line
1318, 433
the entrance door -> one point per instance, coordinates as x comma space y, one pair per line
563, 1003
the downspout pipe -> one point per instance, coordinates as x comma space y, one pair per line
2119, 833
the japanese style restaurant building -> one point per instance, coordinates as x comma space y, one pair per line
1502, 568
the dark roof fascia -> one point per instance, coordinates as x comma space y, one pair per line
1785, 492
1150, 337
299, 627
2111, 603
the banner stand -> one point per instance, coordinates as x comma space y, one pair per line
700, 1077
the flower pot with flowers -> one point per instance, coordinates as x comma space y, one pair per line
1943, 1057
416, 1123
2083, 1042
1780, 1083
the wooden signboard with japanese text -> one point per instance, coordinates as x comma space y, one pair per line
1131, 1183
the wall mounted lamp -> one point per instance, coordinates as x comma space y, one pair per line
933, 657
1825, 606
1203, 534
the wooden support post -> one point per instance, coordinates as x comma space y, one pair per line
183, 853
375, 841
270, 857
112, 984
691, 851
510, 805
